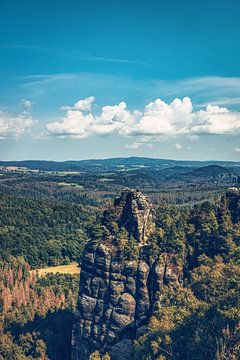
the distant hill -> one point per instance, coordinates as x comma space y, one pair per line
115, 164
212, 170
210, 173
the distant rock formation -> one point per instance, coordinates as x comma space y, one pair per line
117, 296
233, 203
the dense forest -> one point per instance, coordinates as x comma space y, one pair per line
198, 318
45, 232
46, 218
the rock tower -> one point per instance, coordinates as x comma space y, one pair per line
117, 296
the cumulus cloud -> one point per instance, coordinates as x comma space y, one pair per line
216, 120
158, 120
14, 126
237, 149
74, 125
81, 105
78, 125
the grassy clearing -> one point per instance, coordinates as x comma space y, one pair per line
106, 180
72, 269
72, 185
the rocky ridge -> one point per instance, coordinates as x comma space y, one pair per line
117, 295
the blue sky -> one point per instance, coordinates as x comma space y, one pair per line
98, 79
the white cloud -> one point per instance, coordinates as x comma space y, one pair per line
134, 145
237, 149
113, 119
74, 125
84, 105
159, 120
26, 104
14, 126
81, 105
178, 146
137, 145
78, 125
216, 120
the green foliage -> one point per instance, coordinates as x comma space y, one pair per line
211, 231
131, 249
196, 317
44, 232
193, 318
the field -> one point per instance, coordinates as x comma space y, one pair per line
72, 269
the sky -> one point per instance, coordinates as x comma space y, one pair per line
100, 79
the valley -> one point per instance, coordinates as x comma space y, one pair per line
172, 232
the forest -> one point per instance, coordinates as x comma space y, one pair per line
43, 232
198, 318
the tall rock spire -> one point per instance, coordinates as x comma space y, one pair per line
137, 214
116, 294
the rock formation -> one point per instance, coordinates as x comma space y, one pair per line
117, 295
134, 213
233, 203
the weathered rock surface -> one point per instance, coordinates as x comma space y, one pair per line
137, 214
233, 203
116, 295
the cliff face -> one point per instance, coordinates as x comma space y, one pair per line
134, 212
116, 295
233, 203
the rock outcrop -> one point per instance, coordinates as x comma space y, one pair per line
136, 214
233, 203
118, 295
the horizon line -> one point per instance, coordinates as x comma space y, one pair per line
122, 157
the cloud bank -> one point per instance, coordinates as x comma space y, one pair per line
158, 121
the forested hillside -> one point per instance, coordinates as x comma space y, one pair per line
173, 291
45, 232
93, 182
198, 315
